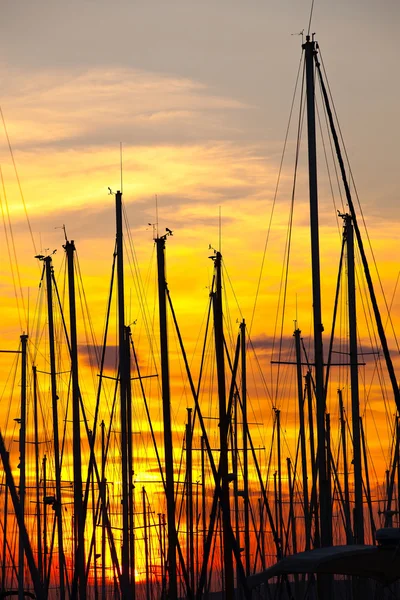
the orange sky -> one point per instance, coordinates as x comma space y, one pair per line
202, 145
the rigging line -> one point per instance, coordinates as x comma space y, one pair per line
11, 264
140, 291
17, 177
383, 339
327, 163
13, 252
275, 195
285, 267
358, 198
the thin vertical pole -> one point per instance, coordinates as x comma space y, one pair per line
325, 501
245, 453
96, 582
190, 564
130, 461
22, 466
76, 428
328, 451
398, 466
291, 505
276, 505
235, 447
5, 509
166, 399
261, 513
203, 491
45, 548
123, 395
197, 535
37, 475
355, 403
369, 501
349, 535
223, 428
314, 502
300, 396
146, 544
278, 442
103, 512
54, 401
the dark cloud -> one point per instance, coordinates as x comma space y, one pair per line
92, 355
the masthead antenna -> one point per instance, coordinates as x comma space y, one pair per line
220, 230
64, 230
120, 160
311, 14
156, 223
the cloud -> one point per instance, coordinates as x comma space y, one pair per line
101, 106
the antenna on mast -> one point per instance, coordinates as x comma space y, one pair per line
220, 230
156, 223
311, 14
120, 160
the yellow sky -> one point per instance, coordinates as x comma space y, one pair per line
185, 142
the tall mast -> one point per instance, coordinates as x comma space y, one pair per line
38, 511
22, 466
54, 402
130, 461
355, 404
166, 399
5, 513
325, 501
279, 473
189, 504
123, 396
223, 427
45, 549
103, 512
349, 535
245, 454
300, 396
76, 429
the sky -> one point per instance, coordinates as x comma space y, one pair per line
199, 95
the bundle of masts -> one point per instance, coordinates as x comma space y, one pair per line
242, 526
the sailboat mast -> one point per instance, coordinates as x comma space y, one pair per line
189, 505
76, 429
302, 433
103, 512
325, 501
245, 452
22, 465
123, 396
54, 401
38, 511
223, 428
166, 400
355, 404
349, 535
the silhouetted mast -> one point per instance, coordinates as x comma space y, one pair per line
302, 433
245, 453
166, 400
54, 401
223, 428
76, 429
325, 501
355, 404
349, 535
37, 477
123, 399
22, 466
